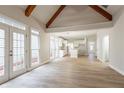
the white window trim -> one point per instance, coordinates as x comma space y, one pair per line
32, 28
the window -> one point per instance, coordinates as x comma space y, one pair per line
35, 47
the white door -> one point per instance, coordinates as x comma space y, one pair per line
4, 53
17, 52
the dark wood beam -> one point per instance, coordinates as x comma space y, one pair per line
102, 12
29, 10
55, 15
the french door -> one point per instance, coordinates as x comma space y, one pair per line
4, 53
17, 52
13, 52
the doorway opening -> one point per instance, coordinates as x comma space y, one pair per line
106, 48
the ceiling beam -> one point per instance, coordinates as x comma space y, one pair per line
29, 10
101, 11
55, 15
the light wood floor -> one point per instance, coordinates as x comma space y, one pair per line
70, 73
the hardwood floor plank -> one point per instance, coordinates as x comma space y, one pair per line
70, 73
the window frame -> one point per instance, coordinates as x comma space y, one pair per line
32, 32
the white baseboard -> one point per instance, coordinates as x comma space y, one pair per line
116, 69
45, 62
100, 59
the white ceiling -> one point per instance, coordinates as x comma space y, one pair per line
23, 7
113, 9
72, 14
77, 15
43, 12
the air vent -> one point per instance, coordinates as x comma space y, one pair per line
105, 6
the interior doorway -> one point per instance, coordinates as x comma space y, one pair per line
54, 47
91, 48
106, 48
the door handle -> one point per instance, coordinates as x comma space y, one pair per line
11, 53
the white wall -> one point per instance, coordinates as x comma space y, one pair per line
16, 13
116, 35
117, 44
45, 47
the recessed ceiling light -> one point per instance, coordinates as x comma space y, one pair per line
105, 6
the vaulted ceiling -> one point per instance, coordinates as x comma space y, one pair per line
71, 15
77, 15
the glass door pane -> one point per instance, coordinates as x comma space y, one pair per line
18, 51
4, 53
2, 50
